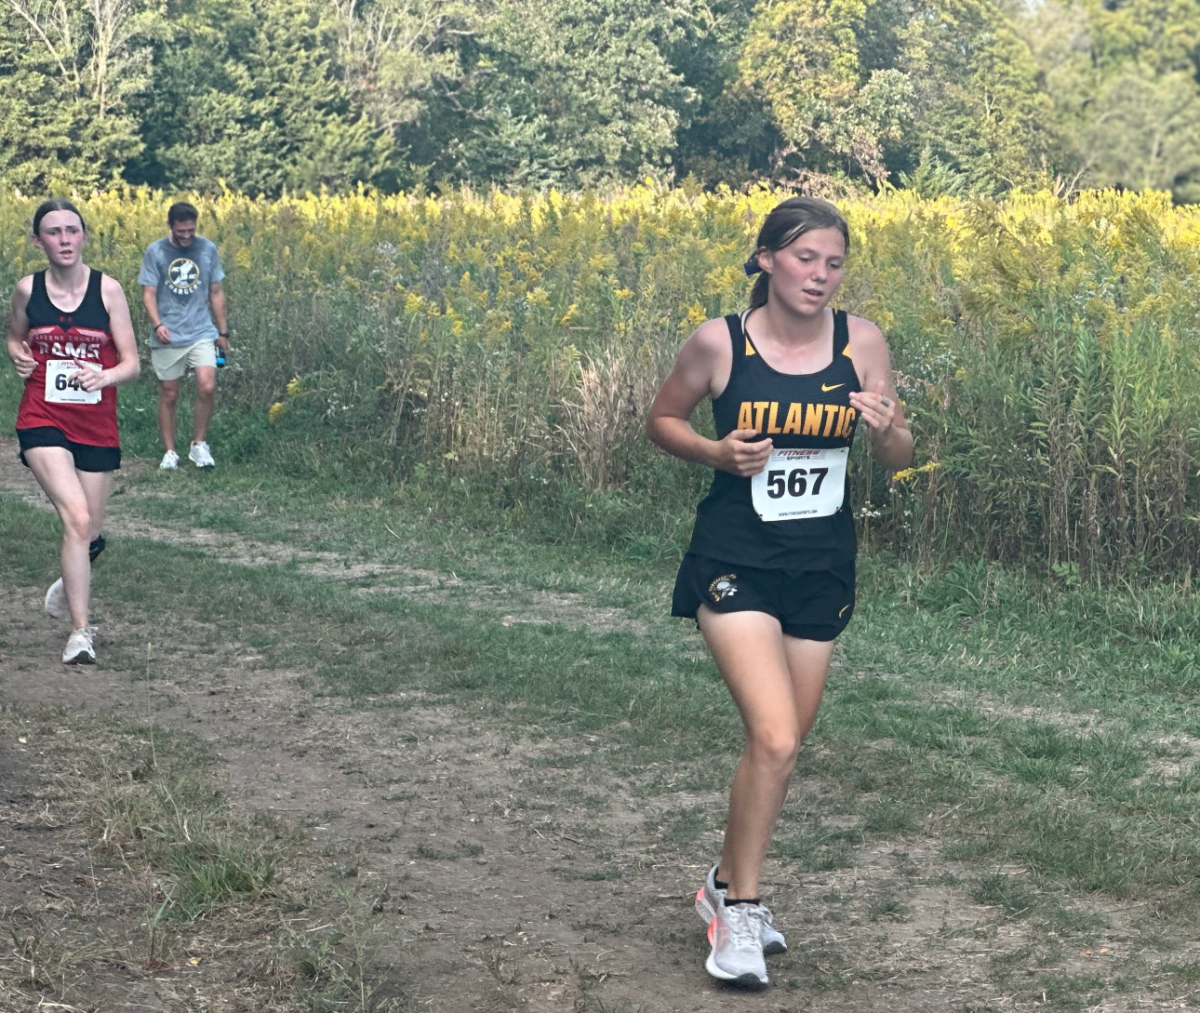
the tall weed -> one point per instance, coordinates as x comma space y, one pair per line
506, 347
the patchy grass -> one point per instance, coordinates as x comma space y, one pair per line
183, 872
1029, 741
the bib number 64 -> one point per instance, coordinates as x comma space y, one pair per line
62, 382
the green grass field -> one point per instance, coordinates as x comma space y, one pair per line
1020, 744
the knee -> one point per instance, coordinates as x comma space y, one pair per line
168, 395
776, 747
205, 386
77, 522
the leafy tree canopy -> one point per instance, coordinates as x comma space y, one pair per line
272, 95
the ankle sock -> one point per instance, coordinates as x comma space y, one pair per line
741, 900
719, 884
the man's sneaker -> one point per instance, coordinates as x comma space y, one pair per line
735, 935
709, 898
200, 455
79, 648
169, 462
56, 601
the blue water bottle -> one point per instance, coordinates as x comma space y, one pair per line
220, 355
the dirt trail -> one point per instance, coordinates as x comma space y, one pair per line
122, 520
506, 884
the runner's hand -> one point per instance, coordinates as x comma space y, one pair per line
24, 360
875, 408
738, 456
89, 379
223, 344
162, 335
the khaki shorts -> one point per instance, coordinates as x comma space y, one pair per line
171, 363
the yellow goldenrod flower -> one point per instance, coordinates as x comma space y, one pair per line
907, 474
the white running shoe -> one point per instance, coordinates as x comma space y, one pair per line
200, 455
56, 601
169, 462
79, 648
735, 935
709, 898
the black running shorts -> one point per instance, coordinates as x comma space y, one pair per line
87, 458
809, 604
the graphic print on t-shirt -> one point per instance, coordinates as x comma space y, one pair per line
183, 275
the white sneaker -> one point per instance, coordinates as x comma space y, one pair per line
79, 648
709, 898
772, 939
169, 462
200, 455
735, 934
56, 601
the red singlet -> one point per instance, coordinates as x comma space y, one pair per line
82, 334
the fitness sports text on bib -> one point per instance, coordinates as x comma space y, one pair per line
797, 484
62, 386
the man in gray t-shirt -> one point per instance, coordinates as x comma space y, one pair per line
181, 281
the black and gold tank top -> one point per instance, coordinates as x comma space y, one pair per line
795, 515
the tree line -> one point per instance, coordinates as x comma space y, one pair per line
266, 96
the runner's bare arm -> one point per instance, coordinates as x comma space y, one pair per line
877, 403
121, 326
702, 370
18, 330
150, 301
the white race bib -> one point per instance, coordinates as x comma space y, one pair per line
797, 484
62, 389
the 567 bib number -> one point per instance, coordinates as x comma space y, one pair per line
62, 383
797, 484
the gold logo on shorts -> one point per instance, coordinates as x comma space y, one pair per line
723, 587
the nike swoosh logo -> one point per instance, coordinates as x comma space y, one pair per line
846, 607
827, 388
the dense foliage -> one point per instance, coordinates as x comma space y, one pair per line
503, 350
267, 96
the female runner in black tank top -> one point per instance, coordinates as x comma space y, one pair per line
769, 575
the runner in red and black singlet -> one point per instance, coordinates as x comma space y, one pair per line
58, 340
769, 575
71, 340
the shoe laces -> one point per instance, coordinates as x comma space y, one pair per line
743, 922
81, 640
